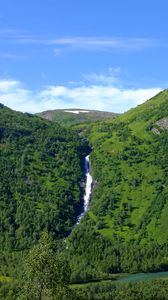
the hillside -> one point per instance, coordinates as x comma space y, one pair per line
41, 169
125, 229
127, 221
67, 117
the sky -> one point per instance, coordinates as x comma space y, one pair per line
107, 55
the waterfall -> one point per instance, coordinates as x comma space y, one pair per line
88, 188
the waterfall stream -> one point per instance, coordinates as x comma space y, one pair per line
88, 188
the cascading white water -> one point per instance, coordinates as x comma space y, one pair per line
88, 188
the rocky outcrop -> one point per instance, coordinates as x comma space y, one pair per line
163, 123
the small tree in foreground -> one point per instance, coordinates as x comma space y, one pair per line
47, 272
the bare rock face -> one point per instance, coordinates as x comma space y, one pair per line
163, 123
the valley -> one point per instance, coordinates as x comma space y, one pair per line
49, 174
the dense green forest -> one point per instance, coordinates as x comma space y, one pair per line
40, 182
150, 290
125, 229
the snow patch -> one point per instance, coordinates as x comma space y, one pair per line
76, 111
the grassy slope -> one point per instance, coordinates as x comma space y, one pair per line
141, 175
129, 204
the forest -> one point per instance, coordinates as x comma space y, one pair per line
127, 218
40, 183
41, 191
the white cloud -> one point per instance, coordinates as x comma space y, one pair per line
8, 85
100, 97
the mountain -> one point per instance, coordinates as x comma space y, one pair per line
41, 167
41, 187
125, 229
71, 116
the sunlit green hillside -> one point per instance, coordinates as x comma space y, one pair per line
127, 221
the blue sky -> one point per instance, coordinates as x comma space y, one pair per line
97, 54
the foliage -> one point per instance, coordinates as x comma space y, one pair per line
125, 229
149, 290
45, 275
41, 169
47, 272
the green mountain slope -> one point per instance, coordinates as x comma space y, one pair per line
128, 217
41, 170
67, 117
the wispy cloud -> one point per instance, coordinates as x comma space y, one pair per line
9, 32
100, 97
57, 51
106, 78
108, 43
11, 56
89, 43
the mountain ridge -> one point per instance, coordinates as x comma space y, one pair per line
71, 116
